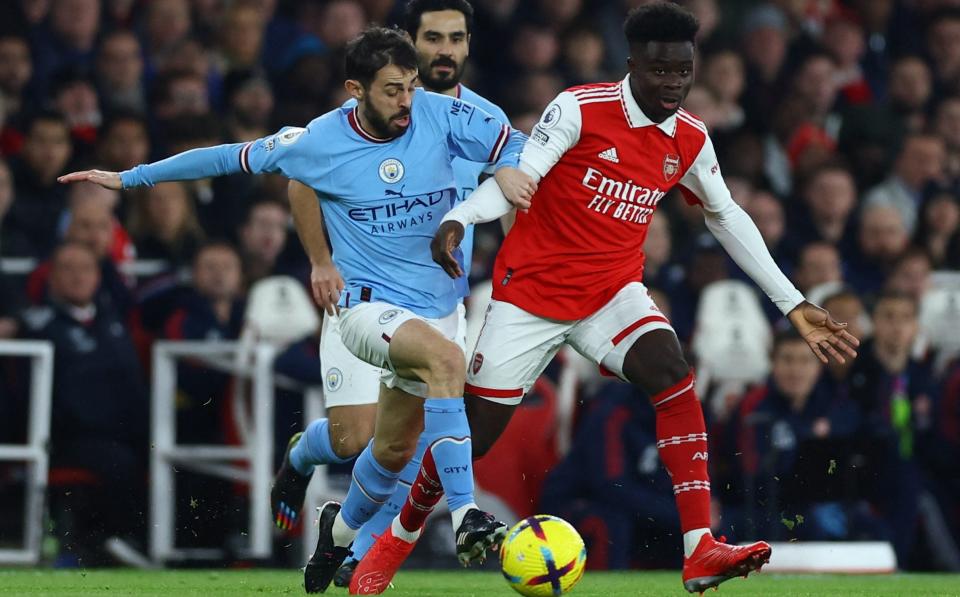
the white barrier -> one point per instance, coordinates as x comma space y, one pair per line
256, 452
836, 557
34, 452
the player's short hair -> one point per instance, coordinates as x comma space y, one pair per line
413, 12
660, 21
374, 49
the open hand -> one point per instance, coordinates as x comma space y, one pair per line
517, 186
444, 243
110, 180
823, 333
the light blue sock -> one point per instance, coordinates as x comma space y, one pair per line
370, 487
377, 525
447, 433
315, 448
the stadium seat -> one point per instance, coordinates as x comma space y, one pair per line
279, 312
939, 322
731, 337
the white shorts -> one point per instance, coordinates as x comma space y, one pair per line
354, 351
515, 346
347, 381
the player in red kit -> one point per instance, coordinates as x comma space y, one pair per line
571, 269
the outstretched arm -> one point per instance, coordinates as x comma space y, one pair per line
205, 162
274, 153
325, 281
737, 233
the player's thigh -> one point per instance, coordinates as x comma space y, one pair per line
398, 427
610, 336
418, 348
407, 346
513, 349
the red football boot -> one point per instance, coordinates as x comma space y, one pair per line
380, 565
713, 562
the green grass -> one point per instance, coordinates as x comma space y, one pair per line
210, 583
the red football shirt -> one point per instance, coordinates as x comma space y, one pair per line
605, 167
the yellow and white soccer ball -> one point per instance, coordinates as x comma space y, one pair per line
543, 556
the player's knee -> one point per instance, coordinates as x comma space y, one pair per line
394, 455
448, 367
668, 374
657, 375
675, 371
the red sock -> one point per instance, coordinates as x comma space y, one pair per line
682, 444
425, 492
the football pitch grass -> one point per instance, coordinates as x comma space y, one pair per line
211, 583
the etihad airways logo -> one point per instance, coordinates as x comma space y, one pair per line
622, 190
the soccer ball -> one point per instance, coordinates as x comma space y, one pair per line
543, 555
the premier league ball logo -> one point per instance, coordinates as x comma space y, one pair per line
671, 165
391, 170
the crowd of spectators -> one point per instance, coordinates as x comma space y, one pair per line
837, 125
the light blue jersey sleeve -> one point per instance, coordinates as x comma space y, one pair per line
278, 153
468, 175
472, 133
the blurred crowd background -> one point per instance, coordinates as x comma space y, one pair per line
837, 125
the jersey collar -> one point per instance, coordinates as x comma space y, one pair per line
635, 116
354, 121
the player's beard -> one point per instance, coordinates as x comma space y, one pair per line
445, 82
383, 127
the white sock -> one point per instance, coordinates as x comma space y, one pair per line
343, 535
458, 514
401, 533
691, 539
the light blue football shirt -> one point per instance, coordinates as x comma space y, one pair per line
382, 199
468, 173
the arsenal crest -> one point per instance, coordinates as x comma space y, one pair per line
671, 165
477, 362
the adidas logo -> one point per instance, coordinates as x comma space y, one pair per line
610, 155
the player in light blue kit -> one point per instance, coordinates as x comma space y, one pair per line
440, 30
383, 176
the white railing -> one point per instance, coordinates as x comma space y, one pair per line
22, 266
251, 462
34, 452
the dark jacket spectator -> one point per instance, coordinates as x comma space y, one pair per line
100, 409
